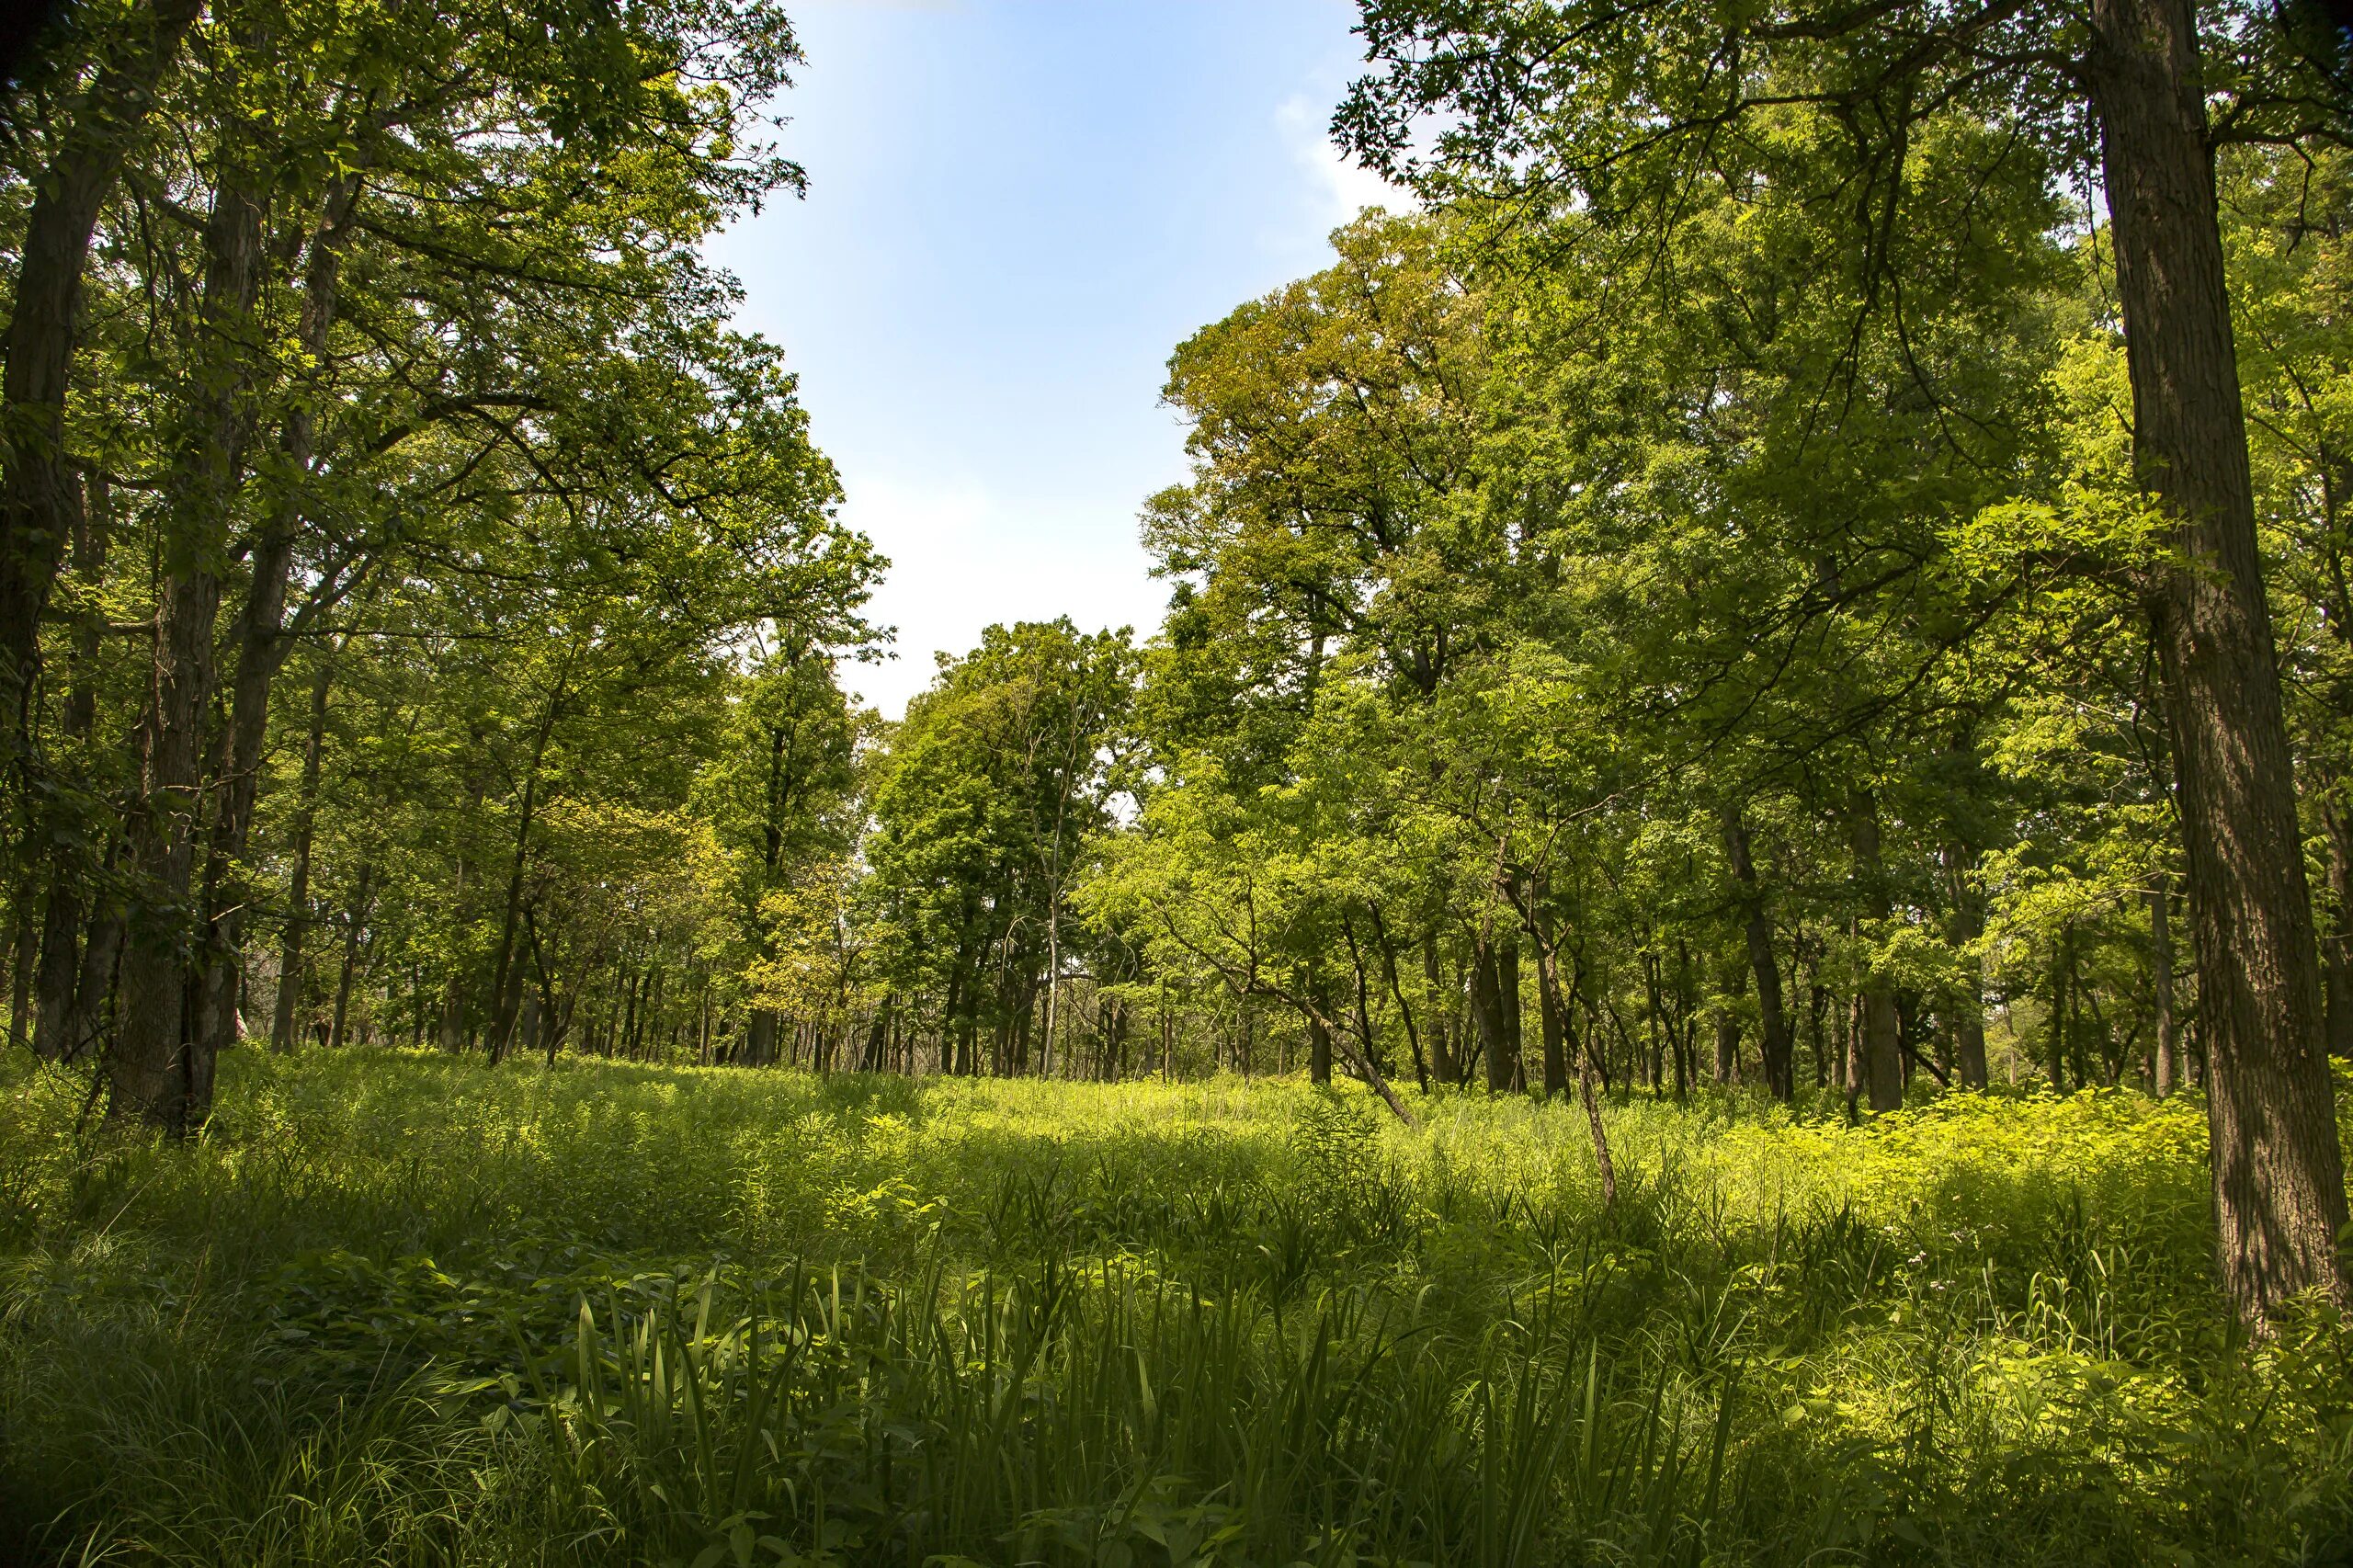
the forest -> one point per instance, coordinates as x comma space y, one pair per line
1718, 927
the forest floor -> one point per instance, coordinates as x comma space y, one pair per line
401, 1308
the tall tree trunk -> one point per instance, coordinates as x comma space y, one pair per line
1727, 1045
298, 893
2279, 1174
157, 1071
1507, 1076
1555, 1026
261, 649
57, 1023
1442, 1063
1653, 995
355, 921
1880, 1048
1487, 1009
38, 498
1774, 1044
1965, 928
506, 976
24, 950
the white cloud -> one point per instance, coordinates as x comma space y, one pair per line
962, 559
1339, 187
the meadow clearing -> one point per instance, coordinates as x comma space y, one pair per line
395, 1308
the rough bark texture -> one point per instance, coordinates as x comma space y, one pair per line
261, 649
158, 1069
2279, 1176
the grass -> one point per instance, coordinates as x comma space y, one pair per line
397, 1309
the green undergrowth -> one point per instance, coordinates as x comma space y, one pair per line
398, 1309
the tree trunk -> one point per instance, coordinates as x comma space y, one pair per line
1404, 1009
2279, 1174
58, 1023
1555, 1026
158, 1071
1880, 1047
39, 499
261, 649
1774, 1044
1503, 1076
1442, 1063
506, 977
1967, 926
282, 1034
362, 902
1319, 1037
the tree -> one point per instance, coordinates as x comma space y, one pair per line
1632, 108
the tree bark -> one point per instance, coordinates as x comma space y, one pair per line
157, 1071
355, 921
1555, 1026
261, 648
298, 893
1879, 1048
1442, 1056
37, 491
57, 1022
1494, 1005
2279, 1174
1774, 1045
506, 977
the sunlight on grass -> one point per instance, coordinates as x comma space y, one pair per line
401, 1308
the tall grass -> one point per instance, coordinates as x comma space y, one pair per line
396, 1308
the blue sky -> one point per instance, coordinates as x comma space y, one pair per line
1015, 210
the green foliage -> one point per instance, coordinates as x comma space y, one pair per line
394, 1309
